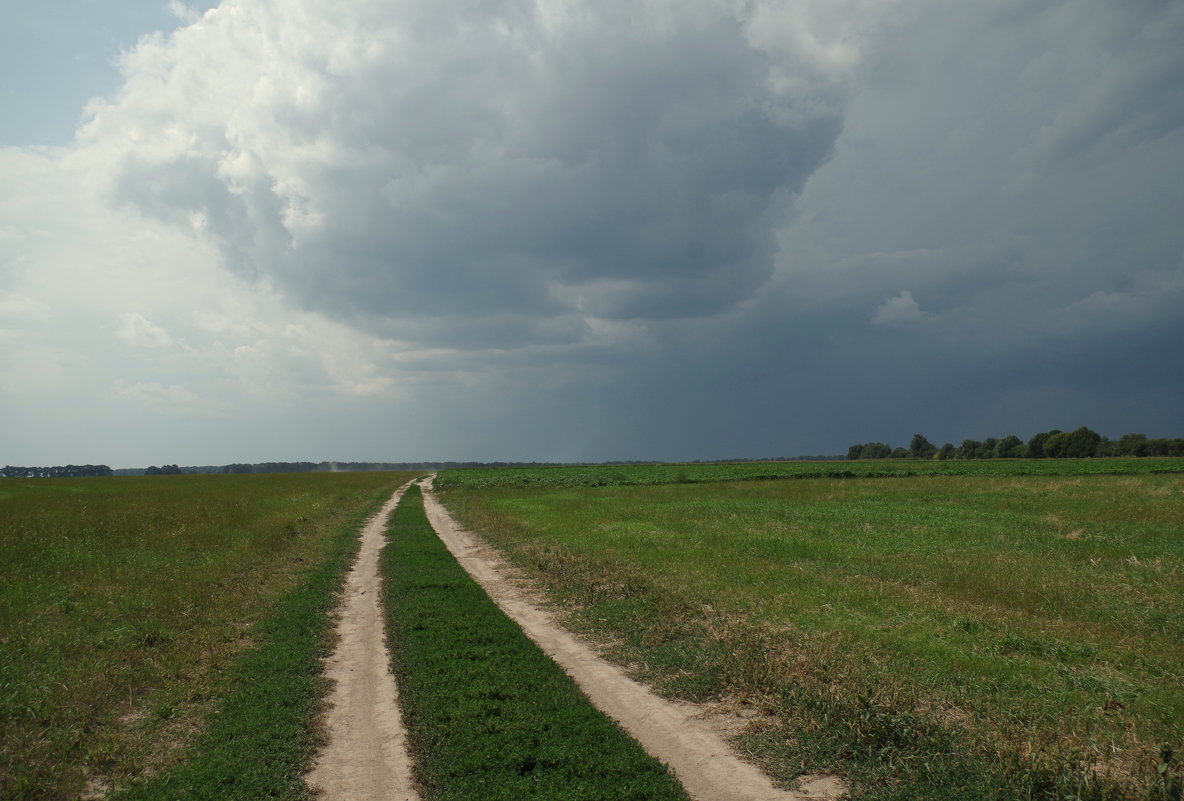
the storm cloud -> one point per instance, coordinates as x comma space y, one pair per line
518, 166
554, 229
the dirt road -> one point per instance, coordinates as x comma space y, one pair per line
366, 757
677, 734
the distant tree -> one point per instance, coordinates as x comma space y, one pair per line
238, 468
1056, 446
1010, 447
875, 450
1036, 443
1131, 445
1081, 443
60, 471
1165, 447
969, 449
167, 470
286, 467
921, 448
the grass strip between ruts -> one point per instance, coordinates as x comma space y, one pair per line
489, 715
260, 742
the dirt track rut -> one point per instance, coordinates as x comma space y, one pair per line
366, 756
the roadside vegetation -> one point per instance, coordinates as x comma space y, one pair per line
1014, 632
490, 717
135, 611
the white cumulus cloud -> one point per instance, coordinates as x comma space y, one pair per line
900, 310
409, 163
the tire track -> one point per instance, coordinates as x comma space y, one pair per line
366, 756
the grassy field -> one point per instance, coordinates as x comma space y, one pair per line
988, 636
695, 473
490, 717
133, 608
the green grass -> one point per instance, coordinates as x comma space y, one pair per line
695, 473
926, 637
490, 716
124, 604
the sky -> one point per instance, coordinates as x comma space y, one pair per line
566, 230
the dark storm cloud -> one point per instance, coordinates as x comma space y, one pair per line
1018, 174
693, 230
997, 246
510, 167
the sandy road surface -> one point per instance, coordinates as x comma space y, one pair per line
366, 757
674, 733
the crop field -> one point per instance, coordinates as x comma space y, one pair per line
994, 635
133, 608
489, 715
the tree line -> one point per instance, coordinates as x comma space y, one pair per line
165, 470
241, 468
1081, 443
334, 467
61, 471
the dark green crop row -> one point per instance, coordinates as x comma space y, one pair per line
695, 473
489, 715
